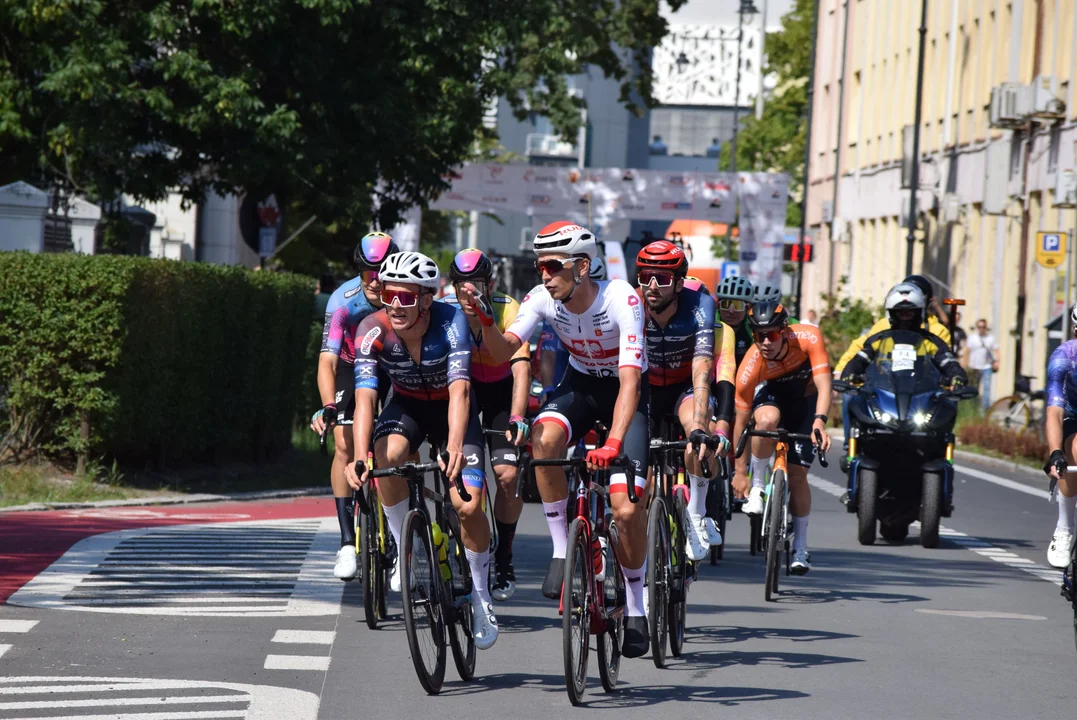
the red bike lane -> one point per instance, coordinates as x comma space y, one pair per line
31, 541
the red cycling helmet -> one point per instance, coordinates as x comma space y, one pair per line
663, 255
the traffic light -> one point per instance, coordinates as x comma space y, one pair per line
793, 252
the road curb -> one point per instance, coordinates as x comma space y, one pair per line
174, 500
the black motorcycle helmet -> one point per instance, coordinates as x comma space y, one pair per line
766, 314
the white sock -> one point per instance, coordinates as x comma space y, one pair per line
1066, 506
480, 573
634, 590
697, 501
800, 532
395, 515
557, 519
759, 471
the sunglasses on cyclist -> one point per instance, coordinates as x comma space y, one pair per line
369, 276
772, 335
553, 266
732, 305
403, 298
661, 279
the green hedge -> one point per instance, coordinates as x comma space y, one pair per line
171, 363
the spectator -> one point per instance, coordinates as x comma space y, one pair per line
960, 338
323, 289
983, 361
811, 319
658, 147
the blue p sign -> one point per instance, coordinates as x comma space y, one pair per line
1052, 242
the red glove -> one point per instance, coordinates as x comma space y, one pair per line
603, 456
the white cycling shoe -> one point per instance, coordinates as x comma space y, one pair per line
801, 562
700, 533
483, 625
754, 504
1058, 553
347, 566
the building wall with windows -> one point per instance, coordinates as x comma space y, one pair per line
971, 47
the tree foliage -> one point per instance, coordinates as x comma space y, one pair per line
775, 142
351, 108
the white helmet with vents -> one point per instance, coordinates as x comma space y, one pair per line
566, 237
410, 267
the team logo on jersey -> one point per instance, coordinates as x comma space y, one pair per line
631, 338
499, 299
598, 332
473, 459
633, 299
348, 294
807, 335
590, 348
455, 364
366, 371
451, 334
368, 340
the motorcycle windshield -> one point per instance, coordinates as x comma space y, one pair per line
898, 368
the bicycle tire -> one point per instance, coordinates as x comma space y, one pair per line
460, 618
369, 562
755, 533
424, 616
773, 539
576, 618
609, 642
1003, 413
658, 578
681, 567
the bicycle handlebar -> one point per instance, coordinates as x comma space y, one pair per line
710, 442
784, 436
414, 471
621, 461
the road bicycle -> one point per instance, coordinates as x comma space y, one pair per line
776, 516
588, 608
1023, 410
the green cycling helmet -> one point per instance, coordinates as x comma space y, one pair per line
734, 288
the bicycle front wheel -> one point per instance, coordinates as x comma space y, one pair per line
609, 642
658, 578
461, 617
370, 564
682, 570
576, 616
773, 532
424, 619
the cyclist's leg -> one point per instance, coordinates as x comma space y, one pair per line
800, 456
1058, 552
396, 437
495, 400
701, 532
767, 416
343, 451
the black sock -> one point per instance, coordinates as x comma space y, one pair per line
505, 534
346, 518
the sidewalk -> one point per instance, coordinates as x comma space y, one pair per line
175, 500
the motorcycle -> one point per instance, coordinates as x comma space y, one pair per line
901, 445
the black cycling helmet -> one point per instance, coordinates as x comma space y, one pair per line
734, 288
925, 286
767, 292
470, 264
372, 250
767, 314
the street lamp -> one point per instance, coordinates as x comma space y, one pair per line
915, 184
747, 7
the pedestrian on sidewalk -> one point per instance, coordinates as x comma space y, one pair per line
983, 361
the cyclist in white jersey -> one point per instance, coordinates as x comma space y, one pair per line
601, 326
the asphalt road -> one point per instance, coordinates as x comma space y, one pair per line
235, 614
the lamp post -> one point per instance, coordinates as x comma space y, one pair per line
747, 7
915, 183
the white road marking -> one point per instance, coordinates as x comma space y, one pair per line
980, 614
233, 700
305, 637
976, 545
1005, 482
268, 568
4, 649
296, 662
16, 626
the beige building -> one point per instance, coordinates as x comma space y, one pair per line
984, 191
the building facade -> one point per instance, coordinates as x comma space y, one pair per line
985, 189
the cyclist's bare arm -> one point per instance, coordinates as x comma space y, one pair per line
521, 387
459, 411
366, 402
1054, 428
746, 381
701, 392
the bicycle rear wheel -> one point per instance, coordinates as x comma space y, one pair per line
773, 532
681, 566
424, 617
609, 642
460, 616
576, 618
658, 579
1010, 412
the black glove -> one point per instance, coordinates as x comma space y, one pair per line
852, 378
329, 414
957, 382
699, 438
1058, 461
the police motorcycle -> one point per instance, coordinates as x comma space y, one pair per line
902, 445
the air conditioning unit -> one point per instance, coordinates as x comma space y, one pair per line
950, 208
1065, 189
839, 230
827, 207
1047, 102
1011, 105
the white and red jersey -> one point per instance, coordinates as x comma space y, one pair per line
608, 336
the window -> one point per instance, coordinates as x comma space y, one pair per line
1052, 152
1016, 143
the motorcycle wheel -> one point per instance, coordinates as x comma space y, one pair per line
931, 510
867, 492
894, 533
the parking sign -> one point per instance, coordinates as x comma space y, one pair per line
1050, 249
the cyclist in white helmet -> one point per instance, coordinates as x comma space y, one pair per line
601, 325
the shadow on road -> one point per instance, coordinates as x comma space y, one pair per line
723, 634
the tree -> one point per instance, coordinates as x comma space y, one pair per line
775, 142
353, 109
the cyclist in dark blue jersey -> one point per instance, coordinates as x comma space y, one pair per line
348, 305
425, 348
1062, 439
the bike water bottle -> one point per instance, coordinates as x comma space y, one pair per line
442, 551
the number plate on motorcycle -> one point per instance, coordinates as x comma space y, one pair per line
903, 358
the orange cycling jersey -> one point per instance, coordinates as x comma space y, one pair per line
792, 376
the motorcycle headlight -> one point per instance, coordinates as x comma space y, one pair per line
884, 417
921, 419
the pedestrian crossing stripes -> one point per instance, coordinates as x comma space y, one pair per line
976, 545
107, 698
244, 569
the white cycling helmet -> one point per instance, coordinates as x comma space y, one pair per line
411, 267
598, 269
566, 237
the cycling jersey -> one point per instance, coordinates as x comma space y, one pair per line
688, 334
742, 337
484, 369
792, 377
725, 353
933, 325
605, 337
445, 356
347, 307
1062, 378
